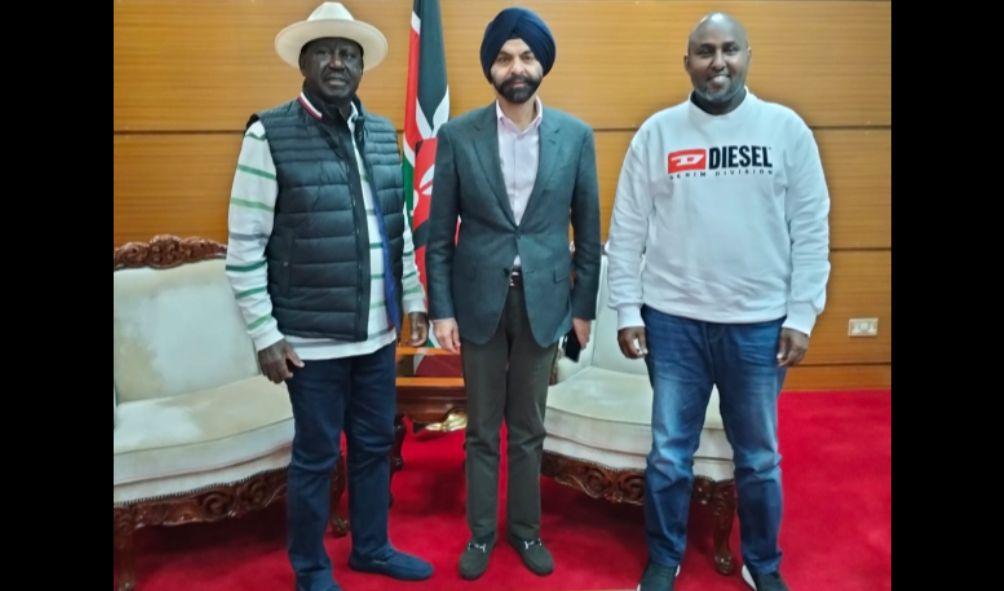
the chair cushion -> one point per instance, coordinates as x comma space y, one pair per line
194, 481
713, 468
612, 411
201, 431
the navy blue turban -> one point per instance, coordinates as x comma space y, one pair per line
519, 23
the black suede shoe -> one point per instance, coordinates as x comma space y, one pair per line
535, 556
658, 577
474, 559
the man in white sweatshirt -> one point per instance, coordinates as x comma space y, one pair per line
718, 258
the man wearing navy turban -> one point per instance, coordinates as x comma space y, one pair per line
517, 23
515, 173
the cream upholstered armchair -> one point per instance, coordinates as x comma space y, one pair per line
598, 422
199, 434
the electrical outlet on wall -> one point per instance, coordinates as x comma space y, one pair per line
862, 327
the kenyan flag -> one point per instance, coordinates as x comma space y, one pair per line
426, 109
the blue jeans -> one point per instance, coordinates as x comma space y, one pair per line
685, 359
357, 394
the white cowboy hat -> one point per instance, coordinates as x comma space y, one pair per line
331, 19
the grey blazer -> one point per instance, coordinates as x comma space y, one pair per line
468, 281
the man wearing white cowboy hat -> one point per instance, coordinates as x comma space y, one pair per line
321, 261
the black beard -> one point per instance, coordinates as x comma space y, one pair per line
518, 95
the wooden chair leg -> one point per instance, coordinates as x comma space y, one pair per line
339, 525
723, 507
396, 459
125, 560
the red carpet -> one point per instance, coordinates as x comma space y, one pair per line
835, 534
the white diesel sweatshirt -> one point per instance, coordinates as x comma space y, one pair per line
721, 218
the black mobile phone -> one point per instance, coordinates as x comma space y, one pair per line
572, 346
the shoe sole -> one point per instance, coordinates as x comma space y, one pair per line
472, 577
748, 578
377, 571
638, 588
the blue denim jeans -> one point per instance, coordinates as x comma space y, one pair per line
357, 394
685, 359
